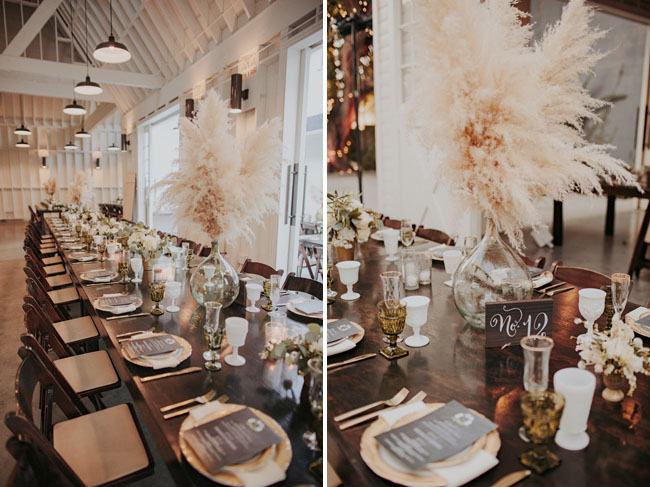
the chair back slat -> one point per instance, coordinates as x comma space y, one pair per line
581, 277
309, 286
39, 325
259, 268
437, 236
35, 289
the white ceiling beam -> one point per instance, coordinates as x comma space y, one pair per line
167, 43
247, 39
77, 72
102, 111
249, 8
42, 86
32, 27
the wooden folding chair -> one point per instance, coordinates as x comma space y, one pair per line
59, 299
437, 236
581, 277
72, 451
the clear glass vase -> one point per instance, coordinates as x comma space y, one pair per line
491, 272
215, 279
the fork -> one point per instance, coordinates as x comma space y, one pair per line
222, 399
362, 419
200, 399
543, 289
393, 401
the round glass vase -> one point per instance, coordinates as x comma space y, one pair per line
214, 280
491, 272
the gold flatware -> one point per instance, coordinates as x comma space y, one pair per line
221, 399
543, 289
393, 401
512, 478
130, 333
362, 419
351, 360
559, 291
189, 370
136, 315
100, 284
207, 397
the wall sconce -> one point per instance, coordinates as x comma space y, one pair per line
96, 156
125, 143
43, 153
236, 93
189, 108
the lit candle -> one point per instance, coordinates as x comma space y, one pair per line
275, 332
157, 274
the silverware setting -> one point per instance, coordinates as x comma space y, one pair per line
125, 337
393, 401
549, 286
189, 370
559, 291
222, 399
208, 396
366, 417
512, 478
358, 358
120, 317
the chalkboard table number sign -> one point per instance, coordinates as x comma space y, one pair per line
507, 322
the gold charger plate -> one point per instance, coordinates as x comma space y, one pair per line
111, 309
83, 256
186, 351
84, 277
294, 310
372, 457
637, 329
356, 338
280, 453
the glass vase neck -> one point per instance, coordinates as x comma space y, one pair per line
215, 247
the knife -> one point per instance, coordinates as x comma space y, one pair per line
511, 478
351, 361
543, 289
559, 291
189, 370
126, 316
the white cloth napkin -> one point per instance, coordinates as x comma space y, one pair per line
456, 475
635, 314
344, 346
200, 412
118, 310
309, 307
162, 363
269, 474
103, 279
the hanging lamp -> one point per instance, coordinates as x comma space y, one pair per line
22, 144
112, 52
82, 134
74, 108
70, 146
22, 130
87, 87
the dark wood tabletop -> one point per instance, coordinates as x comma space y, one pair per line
271, 387
456, 365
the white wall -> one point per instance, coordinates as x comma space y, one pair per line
20, 184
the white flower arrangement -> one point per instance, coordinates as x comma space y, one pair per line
348, 220
506, 114
223, 186
614, 351
146, 242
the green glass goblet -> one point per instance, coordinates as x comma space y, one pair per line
157, 294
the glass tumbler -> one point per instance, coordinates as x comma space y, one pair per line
411, 270
537, 352
620, 291
211, 329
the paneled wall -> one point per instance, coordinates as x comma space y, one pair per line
20, 169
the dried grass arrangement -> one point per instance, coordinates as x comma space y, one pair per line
222, 186
507, 115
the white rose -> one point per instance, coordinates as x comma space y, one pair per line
151, 243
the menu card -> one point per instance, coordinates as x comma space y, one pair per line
154, 345
230, 440
644, 322
339, 329
99, 273
436, 436
312, 307
117, 301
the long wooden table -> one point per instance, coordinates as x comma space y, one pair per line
274, 388
456, 365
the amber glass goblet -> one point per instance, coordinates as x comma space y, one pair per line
188, 259
392, 320
123, 267
267, 294
541, 411
101, 249
157, 294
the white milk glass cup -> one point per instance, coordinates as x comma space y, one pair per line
111, 248
172, 290
136, 265
349, 275
236, 331
391, 242
416, 317
253, 292
591, 303
577, 386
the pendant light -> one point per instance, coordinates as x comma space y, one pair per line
74, 108
22, 130
112, 52
22, 144
87, 87
70, 146
82, 134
